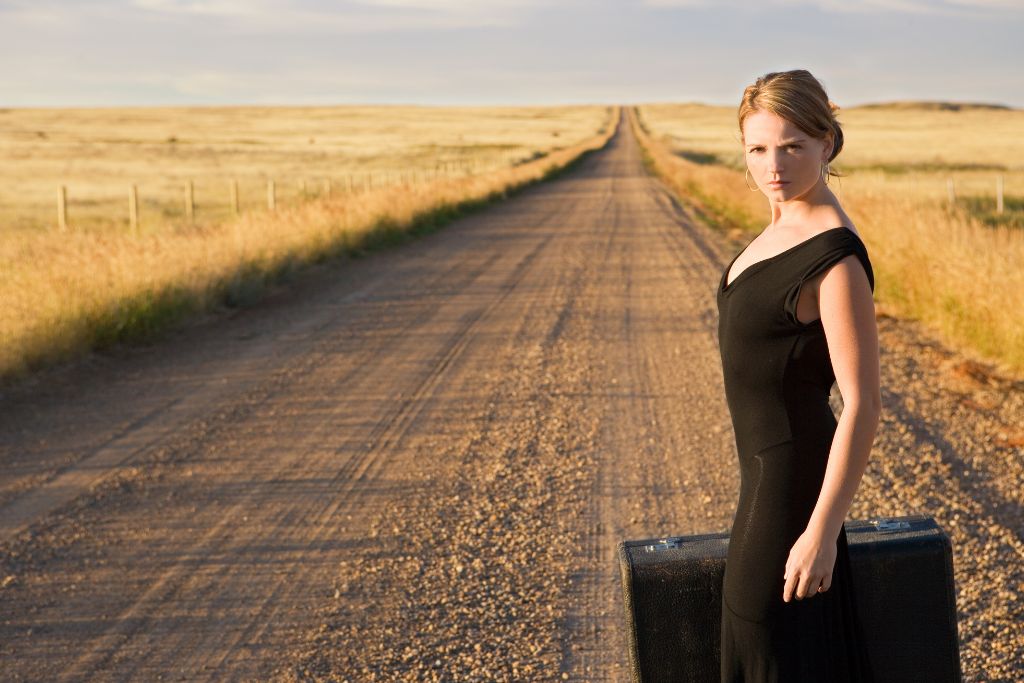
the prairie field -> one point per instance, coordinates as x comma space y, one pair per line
919, 181
98, 153
342, 177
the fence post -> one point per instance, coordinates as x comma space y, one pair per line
234, 196
271, 198
190, 211
327, 188
949, 189
999, 193
62, 209
133, 209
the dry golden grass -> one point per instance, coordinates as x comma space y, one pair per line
956, 268
896, 138
98, 153
69, 291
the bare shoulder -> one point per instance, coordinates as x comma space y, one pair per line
827, 218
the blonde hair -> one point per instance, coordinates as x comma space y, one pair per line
798, 97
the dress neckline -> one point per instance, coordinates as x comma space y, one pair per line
728, 287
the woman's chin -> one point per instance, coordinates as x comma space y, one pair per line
785, 192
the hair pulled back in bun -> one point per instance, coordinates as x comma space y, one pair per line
798, 97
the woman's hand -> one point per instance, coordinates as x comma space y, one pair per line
809, 567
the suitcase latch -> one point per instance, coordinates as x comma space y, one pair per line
889, 525
662, 544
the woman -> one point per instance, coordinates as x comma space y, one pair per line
795, 315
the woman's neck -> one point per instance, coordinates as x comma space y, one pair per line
802, 210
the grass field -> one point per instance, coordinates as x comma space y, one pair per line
956, 267
392, 170
98, 153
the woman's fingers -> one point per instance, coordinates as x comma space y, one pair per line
796, 586
801, 585
805, 586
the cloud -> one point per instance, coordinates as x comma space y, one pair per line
994, 4
276, 16
456, 5
957, 8
349, 17
218, 8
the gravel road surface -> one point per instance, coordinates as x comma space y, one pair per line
416, 465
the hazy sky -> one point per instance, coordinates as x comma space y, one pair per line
152, 52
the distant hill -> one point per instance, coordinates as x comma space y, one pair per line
932, 106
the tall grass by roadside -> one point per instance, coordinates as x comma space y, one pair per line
65, 293
956, 269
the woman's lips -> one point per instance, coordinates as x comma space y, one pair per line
777, 183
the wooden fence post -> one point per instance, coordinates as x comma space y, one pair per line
190, 210
133, 209
999, 193
234, 196
271, 198
949, 189
327, 188
62, 209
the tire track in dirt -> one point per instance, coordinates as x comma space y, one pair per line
420, 577
663, 415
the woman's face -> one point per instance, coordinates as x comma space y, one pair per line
775, 149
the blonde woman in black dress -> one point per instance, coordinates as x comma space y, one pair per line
796, 313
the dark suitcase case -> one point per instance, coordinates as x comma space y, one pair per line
672, 592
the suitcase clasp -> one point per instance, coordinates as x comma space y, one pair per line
662, 544
889, 525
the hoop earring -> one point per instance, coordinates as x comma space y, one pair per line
752, 189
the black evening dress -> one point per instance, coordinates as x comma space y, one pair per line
778, 376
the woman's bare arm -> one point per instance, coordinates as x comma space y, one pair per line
848, 318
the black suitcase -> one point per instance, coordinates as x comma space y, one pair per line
672, 592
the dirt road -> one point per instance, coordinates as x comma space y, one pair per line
416, 465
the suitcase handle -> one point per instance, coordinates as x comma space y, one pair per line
662, 544
889, 525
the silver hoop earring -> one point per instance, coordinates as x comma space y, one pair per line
752, 189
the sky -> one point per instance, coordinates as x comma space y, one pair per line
95, 53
